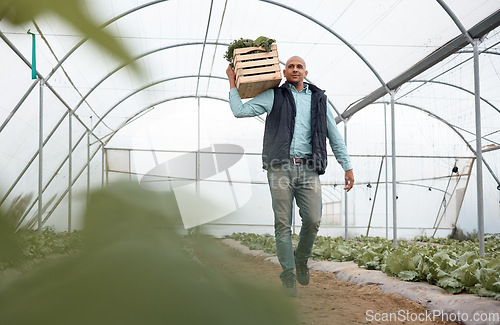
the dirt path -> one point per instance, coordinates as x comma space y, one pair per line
327, 300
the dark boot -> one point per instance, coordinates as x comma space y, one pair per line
289, 285
302, 272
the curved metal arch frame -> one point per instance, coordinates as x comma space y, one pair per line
142, 55
479, 152
138, 90
453, 127
341, 117
479, 30
181, 97
126, 13
343, 40
102, 80
433, 115
66, 56
350, 46
384, 85
457, 87
30, 89
152, 85
111, 73
482, 52
149, 107
166, 80
486, 51
151, 3
455, 19
107, 23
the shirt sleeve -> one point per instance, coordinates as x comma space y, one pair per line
260, 104
336, 141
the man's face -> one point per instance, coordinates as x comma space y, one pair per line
295, 71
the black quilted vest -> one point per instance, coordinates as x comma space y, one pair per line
280, 125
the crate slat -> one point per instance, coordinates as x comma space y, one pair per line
252, 86
256, 56
271, 77
258, 63
263, 67
245, 50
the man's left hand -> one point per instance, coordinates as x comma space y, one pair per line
349, 180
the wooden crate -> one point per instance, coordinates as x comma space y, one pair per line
256, 72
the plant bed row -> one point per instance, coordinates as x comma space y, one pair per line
452, 265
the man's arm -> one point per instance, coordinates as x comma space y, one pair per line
263, 103
339, 149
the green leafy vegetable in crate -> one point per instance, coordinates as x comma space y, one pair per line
247, 42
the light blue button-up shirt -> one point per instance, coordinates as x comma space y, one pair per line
301, 143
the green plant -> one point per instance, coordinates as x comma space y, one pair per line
17, 209
449, 263
49, 242
459, 234
246, 42
134, 268
31, 245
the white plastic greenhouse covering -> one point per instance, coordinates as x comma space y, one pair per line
167, 124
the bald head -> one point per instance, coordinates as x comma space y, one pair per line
296, 57
295, 72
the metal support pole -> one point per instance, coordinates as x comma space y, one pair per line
386, 176
102, 166
346, 207
374, 198
105, 153
394, 194
40, 157
479, 151
70, 167
130, 165
198, 158
88, 167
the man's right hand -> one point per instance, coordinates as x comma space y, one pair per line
231, 75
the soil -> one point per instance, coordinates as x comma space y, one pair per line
326, 300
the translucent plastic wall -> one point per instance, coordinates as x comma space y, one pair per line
167, 124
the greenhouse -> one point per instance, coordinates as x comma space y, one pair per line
413, 62
96, 93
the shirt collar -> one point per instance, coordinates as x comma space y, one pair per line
306, 88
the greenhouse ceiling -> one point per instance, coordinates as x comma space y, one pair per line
356, 50
109, 64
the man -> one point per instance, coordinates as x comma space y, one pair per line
294, 154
